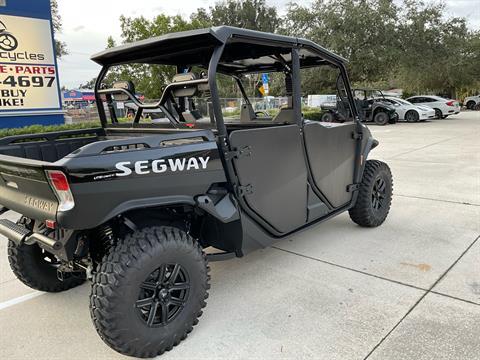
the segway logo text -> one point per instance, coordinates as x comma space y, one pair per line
144, 167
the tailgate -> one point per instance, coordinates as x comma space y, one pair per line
24, 188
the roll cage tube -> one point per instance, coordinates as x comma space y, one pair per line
141, 106
98, 98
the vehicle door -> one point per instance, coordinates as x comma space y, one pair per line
272, 174
330, 150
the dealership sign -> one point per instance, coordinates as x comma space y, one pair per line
28, 70
28, 78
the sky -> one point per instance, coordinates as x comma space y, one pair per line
88, 23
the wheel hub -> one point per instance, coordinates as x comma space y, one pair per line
163, 295
378, 193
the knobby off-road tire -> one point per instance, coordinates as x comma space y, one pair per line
38, 269
381, 118
328, 117
375, 195
150, 270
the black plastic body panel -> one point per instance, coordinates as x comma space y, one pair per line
48, 147
276, 172
25, 189
99, 191
330, 151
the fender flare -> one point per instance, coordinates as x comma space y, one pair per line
225, 210
370, 144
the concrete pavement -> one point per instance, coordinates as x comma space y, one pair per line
409, 289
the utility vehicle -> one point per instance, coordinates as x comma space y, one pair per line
133, 206
372, 106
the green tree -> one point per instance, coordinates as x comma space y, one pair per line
363, 31
60, 46
148, 79
247, 14
439, 54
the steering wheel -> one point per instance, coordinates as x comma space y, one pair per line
264, 113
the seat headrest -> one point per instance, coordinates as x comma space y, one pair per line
183, 77
127, 85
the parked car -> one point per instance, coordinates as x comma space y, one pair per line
410, 112
472, 102
443, 107
132, 206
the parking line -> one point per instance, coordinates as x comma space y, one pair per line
20, 299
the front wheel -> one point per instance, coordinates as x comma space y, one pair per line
149, 291
412, 116
375, 195
381, 118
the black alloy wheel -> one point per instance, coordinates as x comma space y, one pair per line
378, 193
149, 290
163, 295
374, 196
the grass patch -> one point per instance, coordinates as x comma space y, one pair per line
37, 129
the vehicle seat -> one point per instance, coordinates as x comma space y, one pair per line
286, 115
247, 113
183, 77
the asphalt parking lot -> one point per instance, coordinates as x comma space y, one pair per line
409, 289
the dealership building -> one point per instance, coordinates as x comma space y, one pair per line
77, 99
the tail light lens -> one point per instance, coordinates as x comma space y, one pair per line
451, 103
61, 187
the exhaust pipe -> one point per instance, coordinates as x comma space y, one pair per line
20, 234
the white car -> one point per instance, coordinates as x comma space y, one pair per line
410, 112
443, 107
472, 101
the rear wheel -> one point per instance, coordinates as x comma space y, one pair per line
381, 118
327, 117
375, 195
37, 268
412, 116
157, 279
438, 113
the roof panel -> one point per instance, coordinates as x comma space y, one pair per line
195, 47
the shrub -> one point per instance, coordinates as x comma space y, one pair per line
36, 129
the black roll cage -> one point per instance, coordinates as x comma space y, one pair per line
212, 83
222, 134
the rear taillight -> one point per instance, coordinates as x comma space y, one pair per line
451, 103
61, 187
